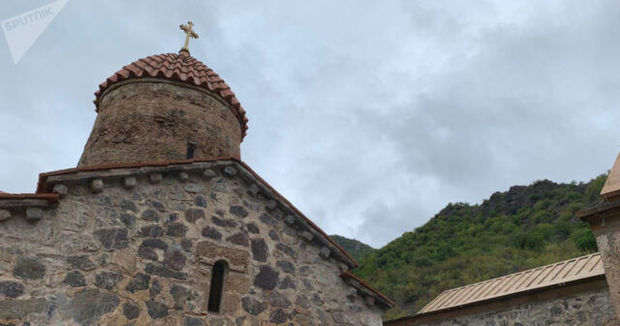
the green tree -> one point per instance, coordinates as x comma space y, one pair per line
522, 228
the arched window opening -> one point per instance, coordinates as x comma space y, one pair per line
191, 149
217, 285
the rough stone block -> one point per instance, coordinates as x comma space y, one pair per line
230, 171
183, 176
113, 238
271, 205
34, 214
30, 268
156, 177
253, 306
289, 219
260, 250
254, 190
18, 309
209, 174
239, 283
11, 289
130, 182
239, 211
163, 271
96, 185
325, 252
4, 214
307, 235
89, 305
74, 279
126, 260
81, 262
351, 293
195, 188
131, 311
267, 278
61, 190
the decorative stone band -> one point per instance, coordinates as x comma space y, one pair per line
99, 176
371, 295
29, 205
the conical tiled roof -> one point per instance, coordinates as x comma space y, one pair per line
180, 67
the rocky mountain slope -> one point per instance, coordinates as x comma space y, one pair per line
355, 248
524, 227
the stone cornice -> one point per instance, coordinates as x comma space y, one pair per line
53, 186
599, 214
31, 205
125, 175
371, 295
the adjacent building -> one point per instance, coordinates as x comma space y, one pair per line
572, 292
579, 291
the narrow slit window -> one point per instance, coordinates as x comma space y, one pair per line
217, 286
190, 151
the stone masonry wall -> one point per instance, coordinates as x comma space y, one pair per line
608, 241
590, 308
148, 120
143, 254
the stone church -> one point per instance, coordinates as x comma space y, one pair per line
161, 223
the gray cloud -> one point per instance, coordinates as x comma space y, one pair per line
369, 116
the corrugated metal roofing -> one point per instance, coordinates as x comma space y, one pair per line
558, 273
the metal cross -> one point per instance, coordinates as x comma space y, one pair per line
189, 32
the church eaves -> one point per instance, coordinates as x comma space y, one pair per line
275, 202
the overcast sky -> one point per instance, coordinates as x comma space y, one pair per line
370, 116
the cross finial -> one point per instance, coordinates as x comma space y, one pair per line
189, 32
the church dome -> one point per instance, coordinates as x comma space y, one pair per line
180, 67
164, 107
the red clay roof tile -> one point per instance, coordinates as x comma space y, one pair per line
178, 67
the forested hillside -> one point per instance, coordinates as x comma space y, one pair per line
355, 248
525, 227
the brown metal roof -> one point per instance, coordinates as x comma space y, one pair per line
537, 278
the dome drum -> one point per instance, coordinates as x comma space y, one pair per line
164, 107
